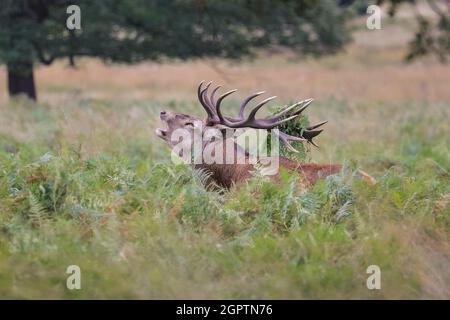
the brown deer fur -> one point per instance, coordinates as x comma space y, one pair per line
225, 175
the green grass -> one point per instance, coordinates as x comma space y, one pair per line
141, 227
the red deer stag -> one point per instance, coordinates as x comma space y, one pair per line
228, 174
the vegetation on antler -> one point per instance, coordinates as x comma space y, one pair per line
294, 128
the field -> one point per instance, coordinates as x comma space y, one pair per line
84, 181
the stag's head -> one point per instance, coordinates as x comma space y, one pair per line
174, 121
215, 119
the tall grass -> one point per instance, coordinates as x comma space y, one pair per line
89, 185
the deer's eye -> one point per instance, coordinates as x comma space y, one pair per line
190, 124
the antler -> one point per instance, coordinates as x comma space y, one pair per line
215, 115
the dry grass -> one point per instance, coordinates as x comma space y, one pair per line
369, 81
361, 90
371, 69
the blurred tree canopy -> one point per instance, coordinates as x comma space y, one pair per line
34, 31
433, 35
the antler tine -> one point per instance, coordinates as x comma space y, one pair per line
211, 99
274, 123
314, 144
205, 97
310, 134
251, 116
217, 106
250, 121
199, 89
286, 110
305, 104
205, 105
317, 125
277, 119
246, 101
284, 137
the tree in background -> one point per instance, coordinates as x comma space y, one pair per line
433, 35
130, 31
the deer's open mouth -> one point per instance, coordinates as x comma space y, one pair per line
161, 133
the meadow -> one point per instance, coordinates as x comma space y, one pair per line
84, 181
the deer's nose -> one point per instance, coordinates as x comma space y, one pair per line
162, 114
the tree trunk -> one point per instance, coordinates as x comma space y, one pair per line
21, 80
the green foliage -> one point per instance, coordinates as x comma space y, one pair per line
142, 228
294, 127
432, 35
132, 31
431, 38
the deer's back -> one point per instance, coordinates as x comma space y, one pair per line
310, 171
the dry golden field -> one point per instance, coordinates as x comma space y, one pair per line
371, 69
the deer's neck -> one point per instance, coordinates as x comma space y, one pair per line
224, 172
